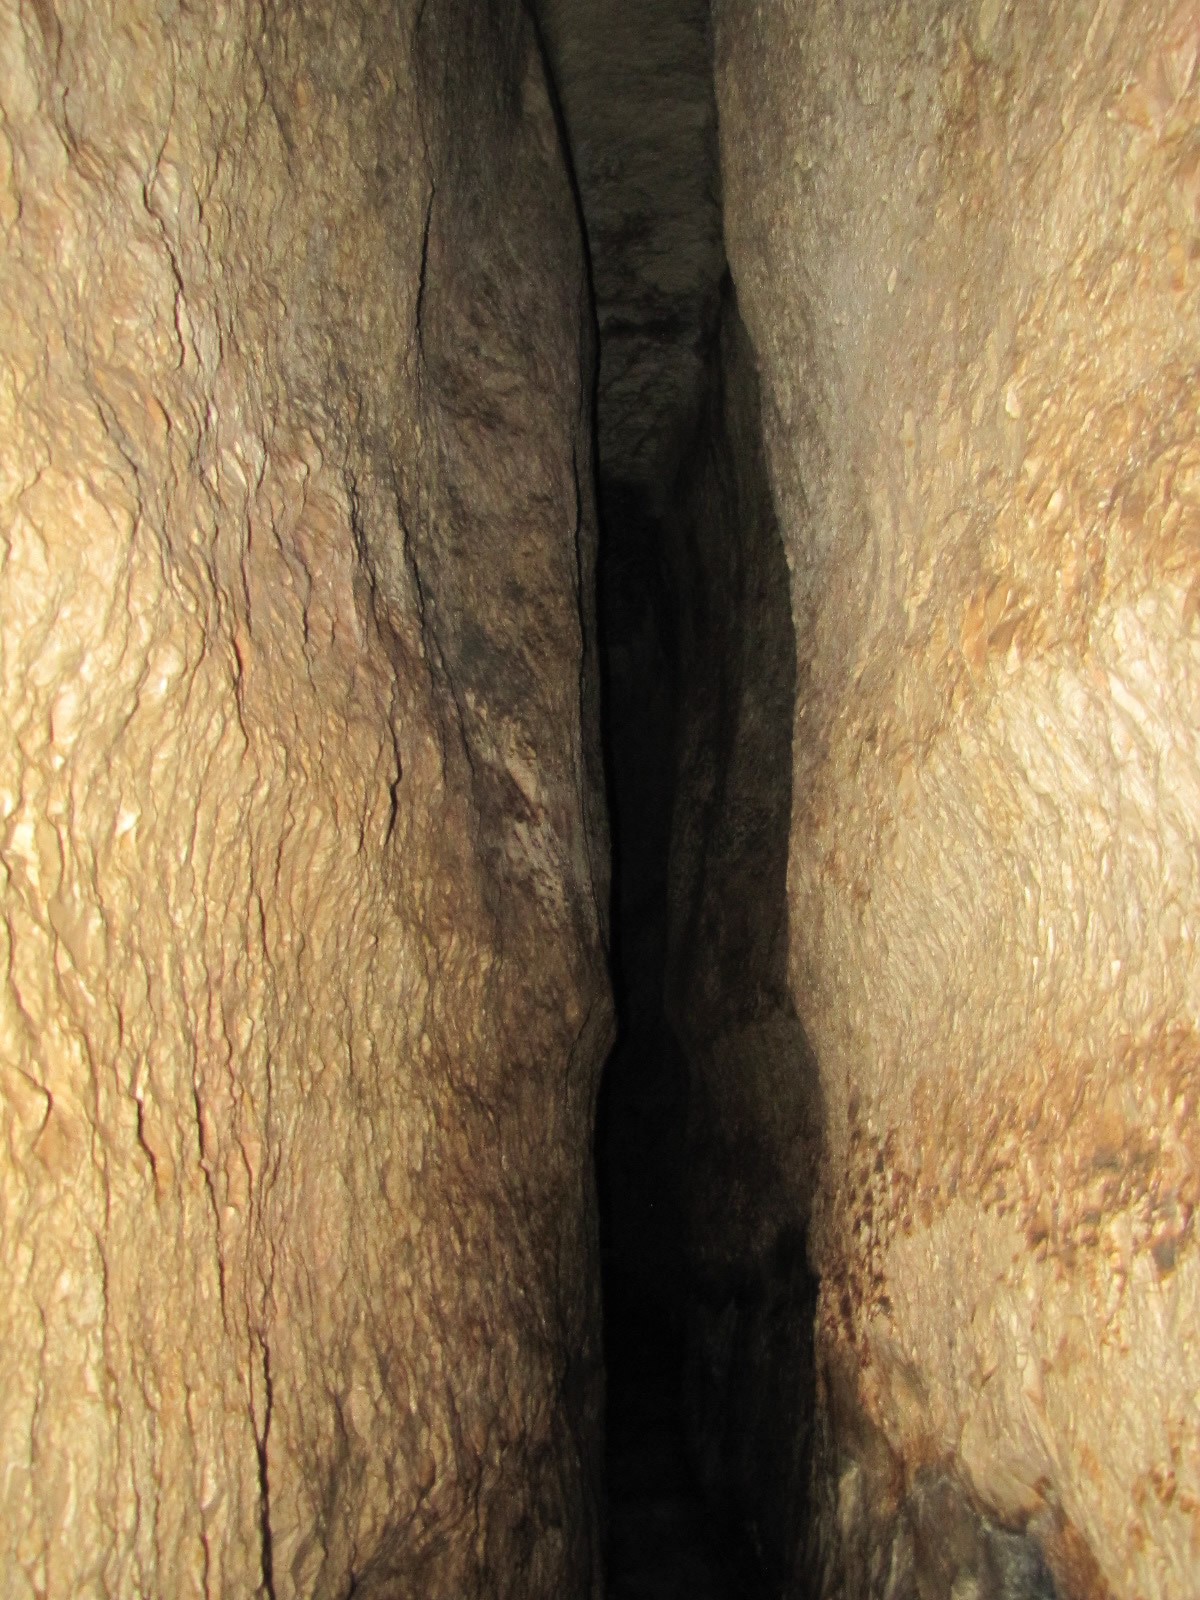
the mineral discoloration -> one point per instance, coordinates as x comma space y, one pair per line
303, 1001
1125, 1183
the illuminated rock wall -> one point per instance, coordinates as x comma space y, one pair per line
964, 239
301, 842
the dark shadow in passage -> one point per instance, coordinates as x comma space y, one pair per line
663, 1540
755, 1114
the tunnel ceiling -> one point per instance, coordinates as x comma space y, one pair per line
635, 85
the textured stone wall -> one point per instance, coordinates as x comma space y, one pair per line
964, 239
301, 849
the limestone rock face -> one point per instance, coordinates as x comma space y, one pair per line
301, 848
964, 240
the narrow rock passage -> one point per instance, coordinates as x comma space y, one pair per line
305, 906
663, 1540
635, 87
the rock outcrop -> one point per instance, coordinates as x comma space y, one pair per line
301, 841
964, 239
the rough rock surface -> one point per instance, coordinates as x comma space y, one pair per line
965, 241
300, 837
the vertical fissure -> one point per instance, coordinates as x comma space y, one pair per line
697, 669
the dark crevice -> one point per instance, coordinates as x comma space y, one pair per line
709, 1360
662, 1537
262, 1438
707, 1330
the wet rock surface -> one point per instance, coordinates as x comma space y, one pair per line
302, 851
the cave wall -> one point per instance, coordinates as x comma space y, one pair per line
301, 840
964, 242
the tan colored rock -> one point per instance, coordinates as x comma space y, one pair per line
301, 850
965, 243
